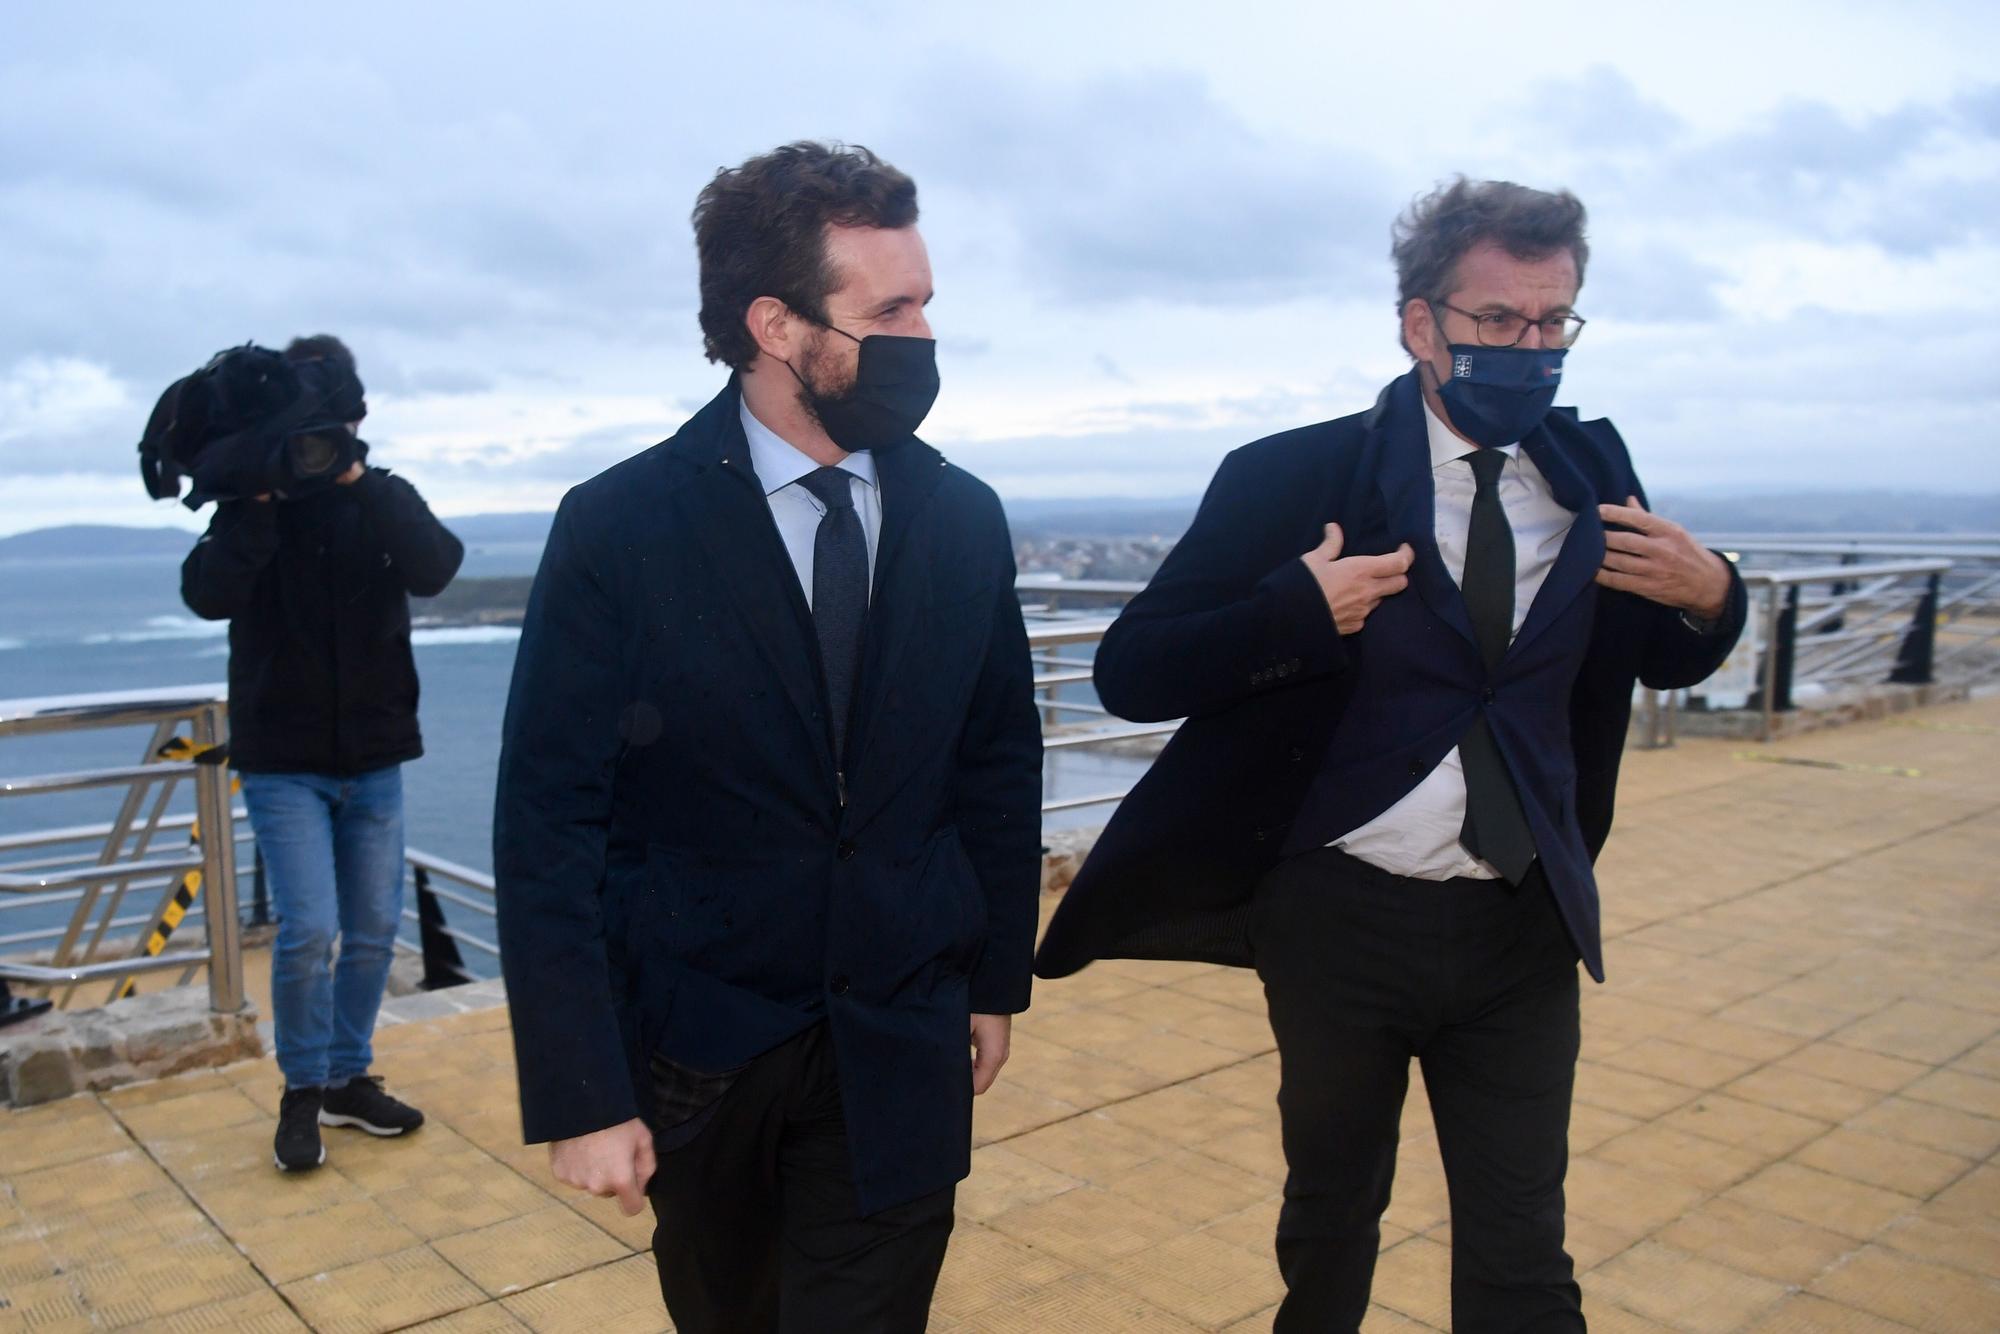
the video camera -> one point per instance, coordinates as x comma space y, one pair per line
253, 422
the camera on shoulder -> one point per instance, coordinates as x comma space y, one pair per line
254, 422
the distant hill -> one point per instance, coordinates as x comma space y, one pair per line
95, 539
1914, 513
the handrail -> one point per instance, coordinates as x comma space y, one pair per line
203, 710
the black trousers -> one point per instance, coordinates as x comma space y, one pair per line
758, 1226
1364, 970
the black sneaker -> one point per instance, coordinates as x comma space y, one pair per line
361, 1103
297, 1148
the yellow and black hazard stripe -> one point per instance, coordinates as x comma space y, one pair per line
189, 888
183, 748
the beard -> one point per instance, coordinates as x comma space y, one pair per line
821, 379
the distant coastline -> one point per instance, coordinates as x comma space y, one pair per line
498, 601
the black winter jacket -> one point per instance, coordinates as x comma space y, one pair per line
317, 595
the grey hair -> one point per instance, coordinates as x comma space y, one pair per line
1437, 230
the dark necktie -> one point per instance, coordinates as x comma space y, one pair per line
840, 593
1495, 829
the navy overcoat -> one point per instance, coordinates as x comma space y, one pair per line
677, 870
1297, 734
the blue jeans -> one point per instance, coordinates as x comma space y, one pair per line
333, 856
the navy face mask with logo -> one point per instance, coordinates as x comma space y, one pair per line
895, 383
1497, 395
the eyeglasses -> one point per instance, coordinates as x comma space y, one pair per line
1506, 328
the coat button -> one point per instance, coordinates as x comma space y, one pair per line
839, 986
845, 850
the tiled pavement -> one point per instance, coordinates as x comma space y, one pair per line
1787, 1117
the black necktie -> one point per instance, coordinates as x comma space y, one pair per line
1495, 829
840, 593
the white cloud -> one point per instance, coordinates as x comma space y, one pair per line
1164, 234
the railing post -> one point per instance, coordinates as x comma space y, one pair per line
1781, 622
1916, 660
444, 966
218, 869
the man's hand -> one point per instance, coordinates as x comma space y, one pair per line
990, 1034
352, 475
1662, 562
614, 1162
1355, 584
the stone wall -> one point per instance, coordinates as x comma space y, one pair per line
146, 1036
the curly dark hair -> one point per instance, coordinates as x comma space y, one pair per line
1436, 231
760, 230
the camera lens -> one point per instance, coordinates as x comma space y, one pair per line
312, 453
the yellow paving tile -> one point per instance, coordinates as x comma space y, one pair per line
523, 1252
987, 1270
1924, 1296
387, 1292
1803, 1094
331, 1238
1683, 1290
1806, 1314
1681, 1062
491, 1318
1812, 1196
1851, 1065
1663, 1150
1922, 1031
56, 1133
1087, 1226
618, 1298
1958, 1091
1751, 1125
1880, 1161
262, 1312
1200, 1278
1756, 1241
1964, 1241
1930, 1125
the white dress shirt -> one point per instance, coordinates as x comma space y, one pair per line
779, 465
1418, 836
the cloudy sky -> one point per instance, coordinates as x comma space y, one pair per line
1159, 230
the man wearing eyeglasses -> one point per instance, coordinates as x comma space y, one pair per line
1400, 756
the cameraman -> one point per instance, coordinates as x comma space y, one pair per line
323, 713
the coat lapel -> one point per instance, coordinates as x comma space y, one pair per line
907, 475
1582, 554
1407, 492
726, 509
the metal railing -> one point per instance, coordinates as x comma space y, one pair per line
129, 852
1881, 613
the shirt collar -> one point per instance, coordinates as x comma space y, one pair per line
778, 462
1446, 447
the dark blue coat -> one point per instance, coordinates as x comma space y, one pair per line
676, 871
1297, 734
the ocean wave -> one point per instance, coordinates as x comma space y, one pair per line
7, 643
159, 628
466, 634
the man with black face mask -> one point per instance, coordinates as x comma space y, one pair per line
1400, 756
767, 838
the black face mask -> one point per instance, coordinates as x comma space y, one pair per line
895, 383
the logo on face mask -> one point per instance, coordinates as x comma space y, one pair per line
1497, 395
